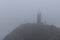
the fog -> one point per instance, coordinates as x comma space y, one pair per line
16, 12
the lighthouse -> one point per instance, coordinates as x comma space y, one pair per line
39, 18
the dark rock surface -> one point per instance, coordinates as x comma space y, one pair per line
32, 31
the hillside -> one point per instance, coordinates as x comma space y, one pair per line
33, 31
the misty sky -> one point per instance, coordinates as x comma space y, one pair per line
17, 12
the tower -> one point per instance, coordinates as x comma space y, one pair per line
39, 18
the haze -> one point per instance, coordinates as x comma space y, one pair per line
16, 12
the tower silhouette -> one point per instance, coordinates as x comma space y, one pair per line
39, 18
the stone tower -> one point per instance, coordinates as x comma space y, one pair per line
39, 18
